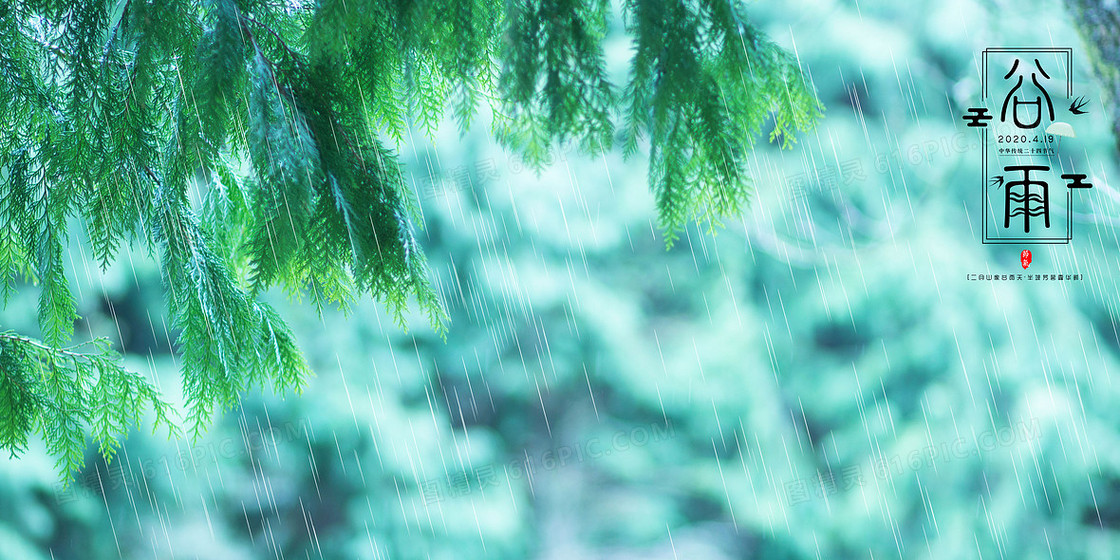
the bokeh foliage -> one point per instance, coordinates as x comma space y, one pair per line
831, 331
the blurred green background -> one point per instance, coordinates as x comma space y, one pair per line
817, 379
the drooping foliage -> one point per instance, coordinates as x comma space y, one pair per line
65, 392
249, 144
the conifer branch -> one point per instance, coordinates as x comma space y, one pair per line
286, 122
